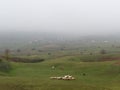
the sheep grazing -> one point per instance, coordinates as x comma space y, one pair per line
66, 77
53, 77
59, 78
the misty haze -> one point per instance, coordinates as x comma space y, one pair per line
59, 45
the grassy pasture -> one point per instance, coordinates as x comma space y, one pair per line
92, 72
104, 75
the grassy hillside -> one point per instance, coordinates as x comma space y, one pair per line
103, 75
31, 62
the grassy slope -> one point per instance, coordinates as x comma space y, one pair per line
99, 75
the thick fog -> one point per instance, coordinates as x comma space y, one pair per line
60, 16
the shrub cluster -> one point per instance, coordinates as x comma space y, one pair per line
5, 66
26, 60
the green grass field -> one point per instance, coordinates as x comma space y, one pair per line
92, 70
104, 75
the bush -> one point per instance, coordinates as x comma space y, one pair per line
5, 66
103, 51
26, 60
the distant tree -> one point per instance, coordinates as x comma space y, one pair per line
33, 49
103, 51
91, 53
18, 50
7, 52
49, 53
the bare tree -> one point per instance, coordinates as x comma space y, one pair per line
103, 51
18, 50
7, 52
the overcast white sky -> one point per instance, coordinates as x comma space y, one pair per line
74, 16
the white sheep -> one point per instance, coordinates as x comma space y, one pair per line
53, 77
58, 78
66, 77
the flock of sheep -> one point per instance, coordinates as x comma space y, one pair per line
66, 77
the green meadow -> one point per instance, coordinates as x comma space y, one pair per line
90, 75
95, 65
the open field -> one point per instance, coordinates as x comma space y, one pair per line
36, 76
94, 64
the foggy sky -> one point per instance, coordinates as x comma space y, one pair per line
60, 16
